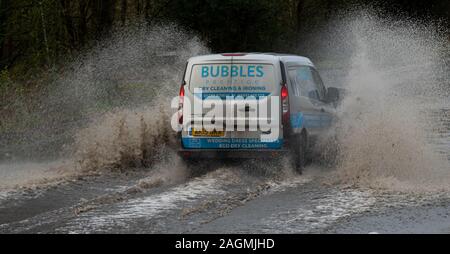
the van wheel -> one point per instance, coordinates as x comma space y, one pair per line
300, 152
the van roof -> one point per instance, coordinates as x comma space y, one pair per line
253, 56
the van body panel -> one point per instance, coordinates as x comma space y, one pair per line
306, 112
245, 77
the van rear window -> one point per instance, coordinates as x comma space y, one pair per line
232, 78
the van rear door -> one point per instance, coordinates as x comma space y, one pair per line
255, 89
245, 82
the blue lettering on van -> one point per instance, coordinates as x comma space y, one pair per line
232, 95
260, 71
243, 75
234, 71
251, 71
230, 143
224, 71
215, 75
205, 72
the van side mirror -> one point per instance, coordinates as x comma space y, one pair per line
332, 95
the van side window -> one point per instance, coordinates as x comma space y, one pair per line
319, 84
303, 82
294, 82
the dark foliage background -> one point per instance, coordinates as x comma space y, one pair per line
36, 33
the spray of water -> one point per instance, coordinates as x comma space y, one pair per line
136, 132
397, 75
109, 108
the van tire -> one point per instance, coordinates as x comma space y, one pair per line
299, 152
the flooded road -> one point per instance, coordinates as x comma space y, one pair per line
223, 201
249, 197
228, 197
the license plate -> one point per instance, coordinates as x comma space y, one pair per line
205, 133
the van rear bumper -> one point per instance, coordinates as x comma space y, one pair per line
231, 153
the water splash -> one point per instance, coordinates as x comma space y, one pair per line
397, 75
136, 132
109, 107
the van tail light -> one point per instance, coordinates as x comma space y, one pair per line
180, 104
285, 104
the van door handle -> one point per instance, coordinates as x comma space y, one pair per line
248, 109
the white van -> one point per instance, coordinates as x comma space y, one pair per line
264, 105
